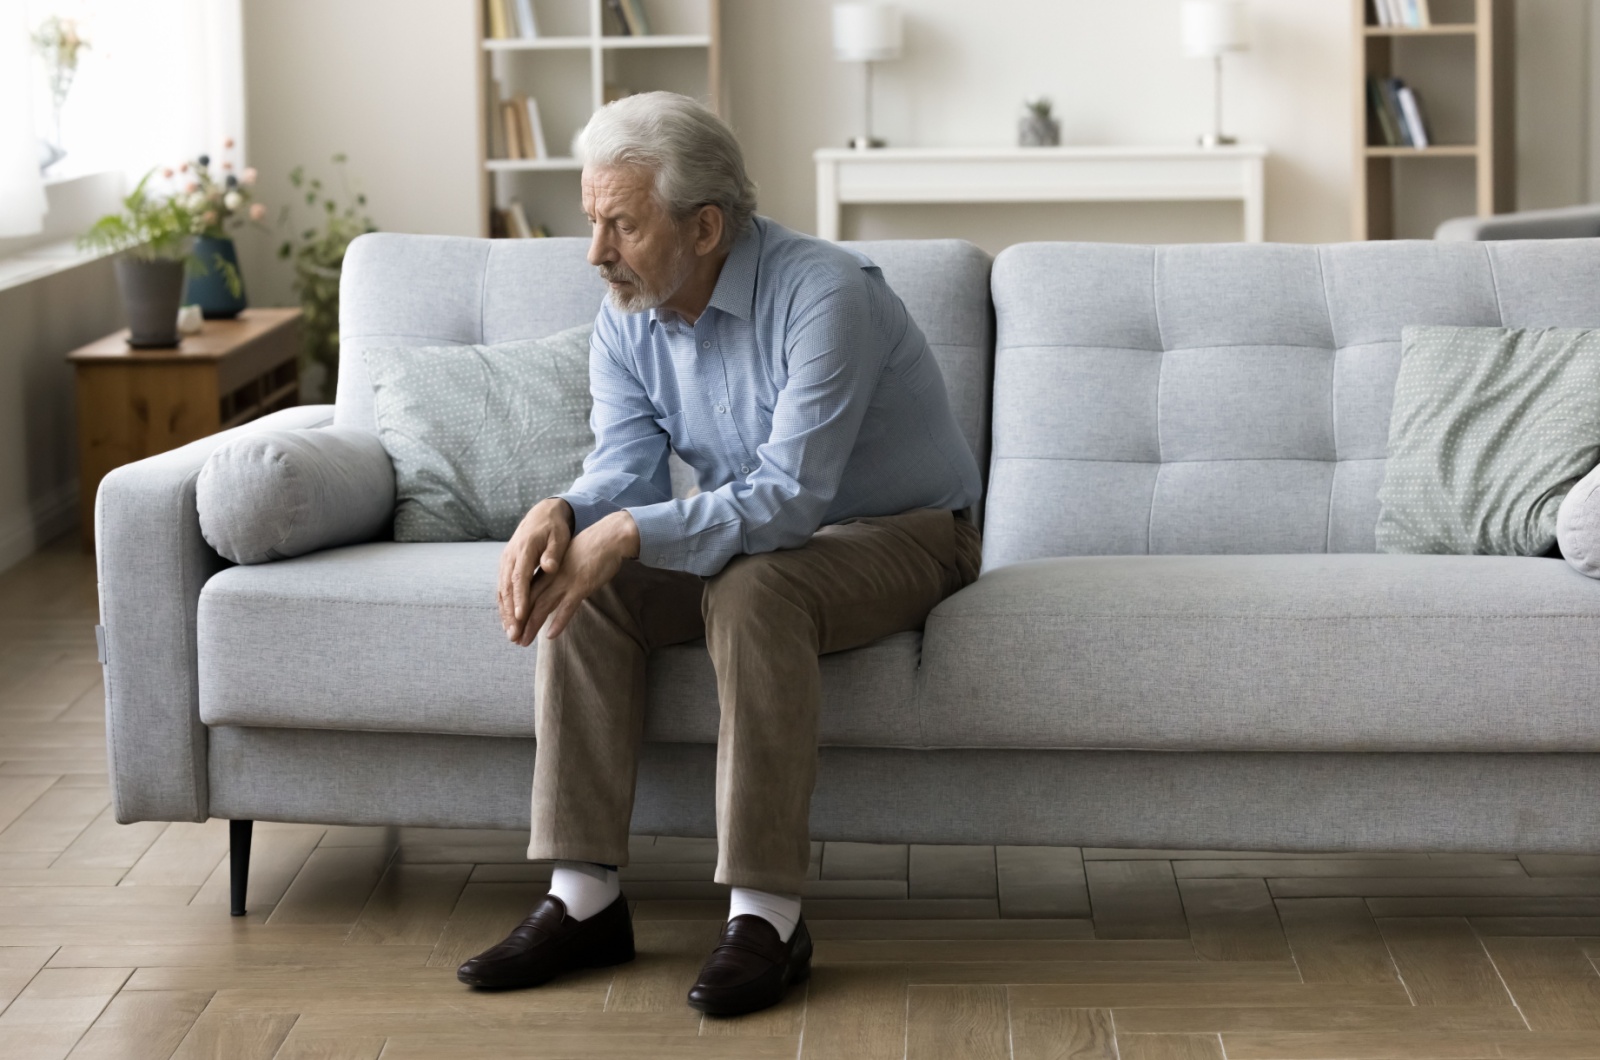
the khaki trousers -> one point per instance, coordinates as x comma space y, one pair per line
766, 618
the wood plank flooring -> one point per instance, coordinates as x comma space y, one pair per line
115, 940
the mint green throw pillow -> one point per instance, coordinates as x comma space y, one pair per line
1491, 427
479, 434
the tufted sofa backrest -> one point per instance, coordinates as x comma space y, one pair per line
1227, 398
412, 290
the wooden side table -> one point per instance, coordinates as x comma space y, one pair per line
137, 403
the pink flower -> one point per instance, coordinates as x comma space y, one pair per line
248, 176
228, 143
258, 210
167, 173
183, 167
208, 218
193, 185
226, 166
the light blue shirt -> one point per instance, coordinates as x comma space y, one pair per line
804, 394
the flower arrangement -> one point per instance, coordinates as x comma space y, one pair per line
317, 253
59, 43
217, 202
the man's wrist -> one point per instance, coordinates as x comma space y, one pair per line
565, 509
624, 532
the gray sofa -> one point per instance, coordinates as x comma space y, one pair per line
1563, 222
1182, 636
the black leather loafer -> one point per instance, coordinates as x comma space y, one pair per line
550, 942
751, 968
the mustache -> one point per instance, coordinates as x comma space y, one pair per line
619, 273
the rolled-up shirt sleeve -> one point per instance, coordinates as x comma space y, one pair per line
833, 353
628, 465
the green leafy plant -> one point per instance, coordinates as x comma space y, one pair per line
1040, 108
317, 252
149, 227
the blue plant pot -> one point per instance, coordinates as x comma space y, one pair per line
209, 288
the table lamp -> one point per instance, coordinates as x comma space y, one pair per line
867, 33
1211, 28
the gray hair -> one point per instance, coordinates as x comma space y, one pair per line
693, 153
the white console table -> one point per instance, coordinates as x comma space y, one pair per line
882, 175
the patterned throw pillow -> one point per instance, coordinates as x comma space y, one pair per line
1491, 427
479, 434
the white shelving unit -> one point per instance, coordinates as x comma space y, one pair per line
580, 60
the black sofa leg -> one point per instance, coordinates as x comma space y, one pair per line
239, 862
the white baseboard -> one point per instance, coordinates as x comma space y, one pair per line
45, 519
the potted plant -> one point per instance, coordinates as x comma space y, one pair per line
1037, 128
218, 204
153, 236
317, 252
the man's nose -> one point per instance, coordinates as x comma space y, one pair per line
600, 250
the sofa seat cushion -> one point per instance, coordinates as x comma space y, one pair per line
1270, 653
407, 638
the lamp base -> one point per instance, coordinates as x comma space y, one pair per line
862, 143
1217, 140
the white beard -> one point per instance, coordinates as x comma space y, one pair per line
641, 297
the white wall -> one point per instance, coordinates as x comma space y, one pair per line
390, 84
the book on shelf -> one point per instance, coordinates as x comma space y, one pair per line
1398, 110
1390, 88
527, 23
1410, 14
511, 222
638, 24
535, 128
512, 129
522, 131
1411, 110
496, 11
618, 16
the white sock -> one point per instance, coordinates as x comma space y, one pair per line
584, 887
782, 911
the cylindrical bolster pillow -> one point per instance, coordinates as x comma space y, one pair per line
1578, 525
276, 494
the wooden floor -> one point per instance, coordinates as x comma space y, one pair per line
115, 940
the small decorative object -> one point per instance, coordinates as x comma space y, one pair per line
58, 42
1037, 128
867, 33
219, 201
318, 254
154, 236
190, 320
1212, 28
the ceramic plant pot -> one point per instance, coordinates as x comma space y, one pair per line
1034, 131
151, 291
208, 284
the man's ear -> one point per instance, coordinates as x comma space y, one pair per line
708, 230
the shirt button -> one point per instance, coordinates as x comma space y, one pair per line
744, 469
722, 408
706, 345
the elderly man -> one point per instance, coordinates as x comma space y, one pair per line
833, 512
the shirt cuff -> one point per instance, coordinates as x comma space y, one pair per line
587, 510
663, 541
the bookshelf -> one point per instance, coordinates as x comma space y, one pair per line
1461, 65
581, 59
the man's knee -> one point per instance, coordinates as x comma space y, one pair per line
751, 588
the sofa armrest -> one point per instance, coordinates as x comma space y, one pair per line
151, 562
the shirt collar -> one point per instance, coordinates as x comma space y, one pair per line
735, 292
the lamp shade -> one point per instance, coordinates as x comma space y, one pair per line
866, 33
1211, 27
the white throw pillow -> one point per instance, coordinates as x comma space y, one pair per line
480, 434
276, 494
